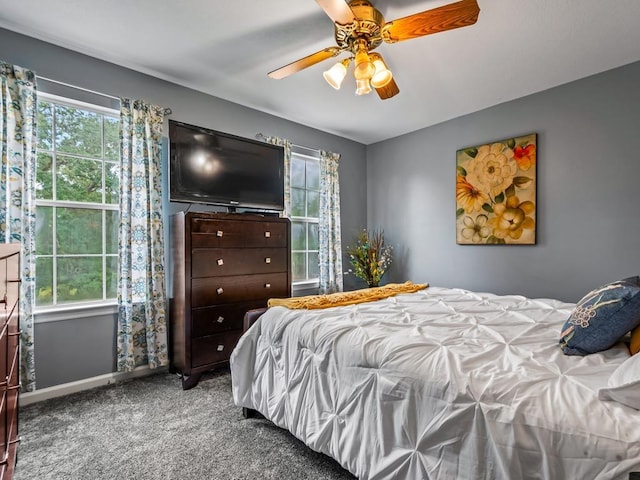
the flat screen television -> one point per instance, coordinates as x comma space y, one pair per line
216, 168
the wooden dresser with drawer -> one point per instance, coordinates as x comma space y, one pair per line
9, 356
223, 265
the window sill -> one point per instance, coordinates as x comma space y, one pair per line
74, 312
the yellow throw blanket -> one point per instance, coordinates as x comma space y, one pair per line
339, 299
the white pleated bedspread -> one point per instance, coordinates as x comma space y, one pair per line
440, 384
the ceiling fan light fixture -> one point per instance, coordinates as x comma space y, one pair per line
363, 86
335, 75
364, 69
359, 28
382, 75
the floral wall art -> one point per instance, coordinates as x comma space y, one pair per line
496, 192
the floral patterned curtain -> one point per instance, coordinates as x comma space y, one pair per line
330, 239
18, 114
142, 322
283, 142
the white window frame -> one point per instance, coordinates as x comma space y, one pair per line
83, 309
308, 155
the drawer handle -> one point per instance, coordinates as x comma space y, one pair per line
220, 290
267, 285
267, 260
267, 234
220, 262
220, 319
219, 233
220, 348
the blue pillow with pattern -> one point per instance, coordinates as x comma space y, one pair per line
602, 318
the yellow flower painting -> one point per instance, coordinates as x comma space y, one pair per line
496, 193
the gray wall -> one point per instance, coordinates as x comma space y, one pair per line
70, 350
74, 349
588, 226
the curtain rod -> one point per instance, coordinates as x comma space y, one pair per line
314, 150
167, 111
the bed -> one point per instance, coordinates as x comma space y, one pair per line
442, 384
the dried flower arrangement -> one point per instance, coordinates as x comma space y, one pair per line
370, 257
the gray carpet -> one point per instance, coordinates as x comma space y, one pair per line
149, 428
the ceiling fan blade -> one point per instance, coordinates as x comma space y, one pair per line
305, 62
338, 11
389, 90
447, 17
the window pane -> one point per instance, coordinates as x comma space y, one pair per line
297, 172
313, 236
79, 279
78, 131
44, 281
314, 265
44, 176
297, 202
112, 183
44, 231
45, 125
78, 179
112, 277
78, 231
78, 154
298, 236
112, 223
313, 204
313, 175
298, 266
111, 138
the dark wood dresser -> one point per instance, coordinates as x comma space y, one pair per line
9, 355
223, 265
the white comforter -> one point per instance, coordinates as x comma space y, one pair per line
440, 384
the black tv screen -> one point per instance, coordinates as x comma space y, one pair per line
216, 168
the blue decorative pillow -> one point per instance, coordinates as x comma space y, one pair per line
602, 317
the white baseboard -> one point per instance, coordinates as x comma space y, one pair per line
85, 384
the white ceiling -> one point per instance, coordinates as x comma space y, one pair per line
225, 48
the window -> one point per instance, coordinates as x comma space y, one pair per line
77, 202
305, 207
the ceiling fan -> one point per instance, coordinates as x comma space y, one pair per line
361, 28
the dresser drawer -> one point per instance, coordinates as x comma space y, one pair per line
213, 262
4, 422
266, 234
214, 348
214, 233
11, 432
9, 416
13, 363
217, 290
12, 295
9, 338
10, 281
4, 346
220, 318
